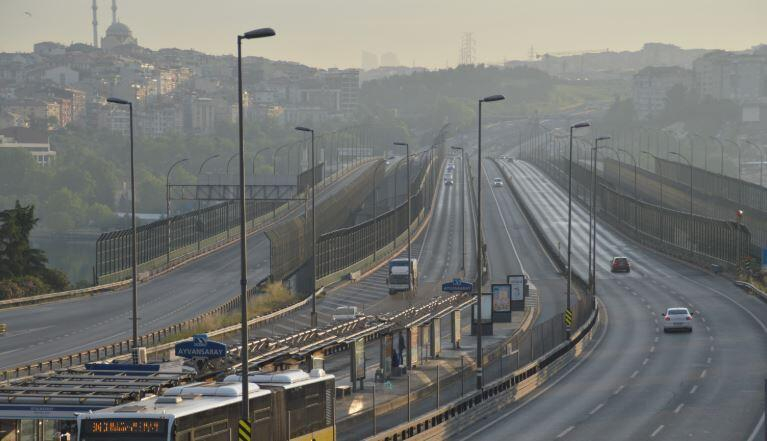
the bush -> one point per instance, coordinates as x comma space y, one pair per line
57, 280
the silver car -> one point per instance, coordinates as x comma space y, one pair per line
677, 319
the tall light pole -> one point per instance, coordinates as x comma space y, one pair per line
256, 156
593, 216
489, 99
636, 195
650, 155
314, 231
409, 214
199, 202
244, 408
570, 213
375, 208
691, 198
167, 208
740, 169
229, 161
134, 241
721, 145
762, 158
463, 211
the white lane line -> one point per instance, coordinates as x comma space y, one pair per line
657, 329
565, 432
656, 321
646, 360
694, 388
634, 375
711, 338
708, 329
678, 408
564, 375
618, 390
703, 319
652, 348
703, 374
708, 360
596, 409
757, 429
656, 339
711, 348
652, 435
503, 221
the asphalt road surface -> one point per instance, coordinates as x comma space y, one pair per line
639, 383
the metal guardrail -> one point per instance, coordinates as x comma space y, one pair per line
60, 295
751, 288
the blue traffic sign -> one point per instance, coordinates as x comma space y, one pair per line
200, 347
457, 285
764, 258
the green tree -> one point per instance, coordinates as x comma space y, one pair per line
17, 258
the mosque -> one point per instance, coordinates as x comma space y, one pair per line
117, 34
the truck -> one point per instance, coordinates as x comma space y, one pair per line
399, 274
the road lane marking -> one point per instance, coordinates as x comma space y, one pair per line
708, 329
634, 375
711, 348
757, 429
678, 408
708, 360
703, 374
656, 339
657, 431
565, 432
657, 329
694, 388
652, 348
618, 390
596, 409
646, 360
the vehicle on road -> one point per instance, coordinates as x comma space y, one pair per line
343, 313
449, 180
677, 319
399, 275
497, 182
620, 264
211, 411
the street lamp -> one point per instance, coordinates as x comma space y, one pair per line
314, 231
256, 156
650, 155
636, 195
407, 185
375, 208
761, 162
593, 216
167, 206
570, 212
199, 201
463, 211
721, 144
229, 161
244, 408
274, 158
740, 168
489, 99
690, 164
134, 242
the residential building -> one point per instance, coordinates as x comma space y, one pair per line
348, 82
34, 141
62, 75
651, 86
202, 116
729, 75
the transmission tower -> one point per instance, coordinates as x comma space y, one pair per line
468, 50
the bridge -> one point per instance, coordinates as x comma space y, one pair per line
582, 371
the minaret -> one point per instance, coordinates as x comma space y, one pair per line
114, 11
95, 25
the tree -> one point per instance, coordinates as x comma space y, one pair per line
17, 258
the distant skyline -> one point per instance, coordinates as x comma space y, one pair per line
334, 33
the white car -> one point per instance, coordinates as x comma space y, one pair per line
343, 313
677, 319
497, 182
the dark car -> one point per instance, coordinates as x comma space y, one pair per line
620, 264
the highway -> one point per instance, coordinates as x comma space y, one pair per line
49, 330
639, 383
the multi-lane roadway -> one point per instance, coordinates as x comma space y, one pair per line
639, 383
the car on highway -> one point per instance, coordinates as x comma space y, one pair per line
343, 313
620, 264
449, 180
497, 182
677, 319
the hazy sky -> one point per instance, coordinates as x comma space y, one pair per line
329, 33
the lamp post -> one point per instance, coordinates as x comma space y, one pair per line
274, 158
593, 216
761, 154
199, 202
256, 156
134, 241
570, 213
721, 145
740, 169
489, 99
244, 408
691, 197
375, 208
229, 161
314, 231
636, 195
463, 211
167, 208
409, 214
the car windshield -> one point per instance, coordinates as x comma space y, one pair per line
399, 279
677, 312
